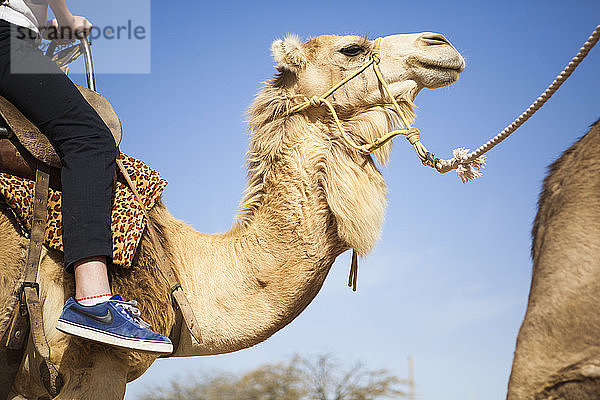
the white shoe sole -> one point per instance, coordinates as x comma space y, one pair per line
114, 340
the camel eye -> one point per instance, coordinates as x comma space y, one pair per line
352, 51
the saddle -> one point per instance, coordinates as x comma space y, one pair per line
17, 133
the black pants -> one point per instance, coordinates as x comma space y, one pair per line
86, 147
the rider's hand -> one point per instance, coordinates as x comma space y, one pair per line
69, 30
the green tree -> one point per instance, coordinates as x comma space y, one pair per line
299, 378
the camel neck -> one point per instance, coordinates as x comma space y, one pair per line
248, 283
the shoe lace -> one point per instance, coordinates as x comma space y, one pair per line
130, 308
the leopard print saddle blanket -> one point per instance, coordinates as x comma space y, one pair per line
127, 220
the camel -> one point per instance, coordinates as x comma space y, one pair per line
309, 198
558, 347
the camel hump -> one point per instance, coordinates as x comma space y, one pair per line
571, 182
37, 143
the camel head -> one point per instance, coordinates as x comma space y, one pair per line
354, 188
409, 63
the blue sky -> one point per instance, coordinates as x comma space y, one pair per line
448, 282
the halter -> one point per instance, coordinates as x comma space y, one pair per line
412, 134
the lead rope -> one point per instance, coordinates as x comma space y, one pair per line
467, 164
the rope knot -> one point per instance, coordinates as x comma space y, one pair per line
315, 101
413, 135
375, 56
467, 170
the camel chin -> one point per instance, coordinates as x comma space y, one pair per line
433, 78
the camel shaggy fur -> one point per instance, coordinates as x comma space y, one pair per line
558, 347
310, 197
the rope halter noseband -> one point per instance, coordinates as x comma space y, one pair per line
412, 134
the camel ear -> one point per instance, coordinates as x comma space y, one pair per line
288, 53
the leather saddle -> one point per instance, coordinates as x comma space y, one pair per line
22, 145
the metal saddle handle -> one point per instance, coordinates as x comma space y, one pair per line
85, 47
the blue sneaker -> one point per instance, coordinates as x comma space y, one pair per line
115, 322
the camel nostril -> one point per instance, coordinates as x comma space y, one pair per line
433, 39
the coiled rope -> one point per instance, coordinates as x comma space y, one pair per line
468, 165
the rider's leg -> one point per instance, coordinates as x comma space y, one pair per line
91, 280
47, 97
87, 149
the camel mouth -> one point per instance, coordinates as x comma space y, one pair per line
436, 73
457, 66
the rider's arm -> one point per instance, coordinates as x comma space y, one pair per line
75, 24
61, 12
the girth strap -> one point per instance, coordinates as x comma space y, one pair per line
29, 312
51, 378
